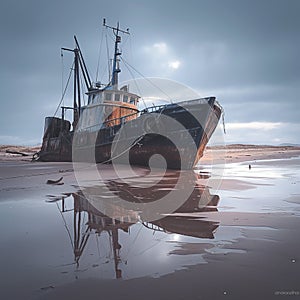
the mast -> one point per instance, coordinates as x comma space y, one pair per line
116, 70
79, 244
76, 92
83, 67
77, 100
116, 249
79, 64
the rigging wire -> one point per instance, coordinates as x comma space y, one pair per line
127, 38
82, 85
62, 72
99, 55
108, 59
65, 90
136, 85
158, 241
105, 71
147, 79
133, 242
130, 51
65, 224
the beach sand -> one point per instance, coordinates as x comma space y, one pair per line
254, 252
230, 153
240, 153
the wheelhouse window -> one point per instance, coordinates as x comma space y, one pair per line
117, 97
125, 98
132, 100
108, 96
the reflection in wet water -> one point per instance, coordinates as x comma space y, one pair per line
49, 244
179, 231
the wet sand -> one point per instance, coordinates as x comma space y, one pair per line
247, 244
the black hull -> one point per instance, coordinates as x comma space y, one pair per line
142, 138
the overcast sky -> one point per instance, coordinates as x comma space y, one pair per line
246, 53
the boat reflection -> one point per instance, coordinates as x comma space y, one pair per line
185, 221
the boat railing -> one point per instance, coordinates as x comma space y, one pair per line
153, 108
160, 108
153, 226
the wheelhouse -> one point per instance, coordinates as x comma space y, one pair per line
111, 96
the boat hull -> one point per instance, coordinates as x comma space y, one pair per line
173, 136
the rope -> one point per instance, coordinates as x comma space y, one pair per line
223, 121
223, 115
123, 152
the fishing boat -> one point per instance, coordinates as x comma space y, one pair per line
111, 128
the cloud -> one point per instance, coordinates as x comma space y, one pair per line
247, 57
254, 125
160, 48
17, 140
267, 133
162, 58
174, 64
